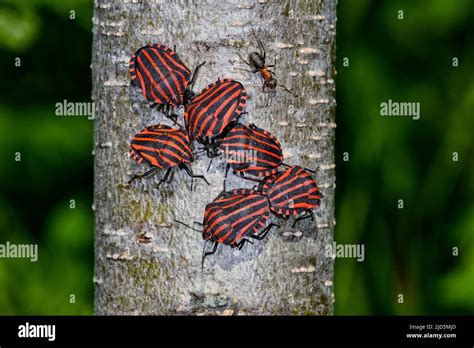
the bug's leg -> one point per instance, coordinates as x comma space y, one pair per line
215, 153
272, 66
265, 231
196, 70
198, 223
243, 60
227, 167
186, 225
308, 214
268, 100
165, 177
242, 175
246, 70
288, 90
190, 173
147, 173
207, 253
283, 217
240, 244
174, 118
164, 109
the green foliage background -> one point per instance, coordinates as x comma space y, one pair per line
408, 251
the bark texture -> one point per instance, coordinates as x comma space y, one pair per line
144, 262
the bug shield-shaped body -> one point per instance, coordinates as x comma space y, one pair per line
251, 150
162, 77
235, 215
161, 146
217, 106
292, 191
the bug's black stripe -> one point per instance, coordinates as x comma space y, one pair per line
149, 57
239, 202
172, 140
209, 90
175, 64
264, 151
215, 96
291, 177
217, 99
171, 146
226, 216
251, 154
296, 187
145, 81
261, 137
206, 121
264, 135
196, 107
166, 72
248, 219
286, 197
215, 129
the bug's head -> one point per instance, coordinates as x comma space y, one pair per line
271, 83
188, 96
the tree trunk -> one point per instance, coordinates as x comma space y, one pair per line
144, 262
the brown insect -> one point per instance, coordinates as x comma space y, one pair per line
256, 60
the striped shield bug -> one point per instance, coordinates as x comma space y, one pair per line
248, 150
162, 147
162, 77
291, 192
233, 217
215, 110
251, 150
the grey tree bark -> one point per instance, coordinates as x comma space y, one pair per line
144, 262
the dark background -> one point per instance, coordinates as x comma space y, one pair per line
408, 251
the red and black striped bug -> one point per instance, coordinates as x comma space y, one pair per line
234, 217
256, 60
162, 77
249, 150
162, 147
291, 192
215, 110
252, 150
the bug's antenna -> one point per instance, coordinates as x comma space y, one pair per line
192, 228
196, 70
288, 90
